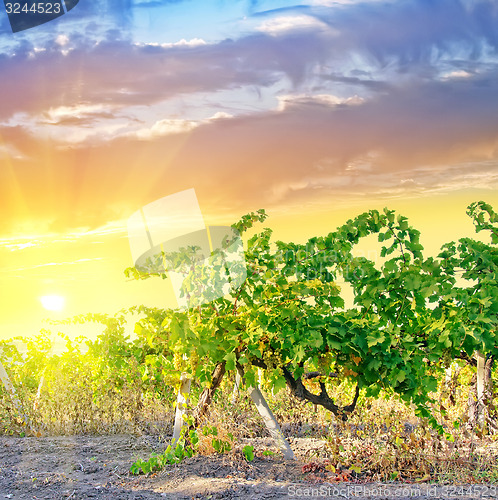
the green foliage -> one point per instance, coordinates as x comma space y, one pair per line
469, 302
184, 448
172, 455
410, 317
101, 385
248, 452
219, 445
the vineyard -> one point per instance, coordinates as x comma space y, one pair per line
398, 385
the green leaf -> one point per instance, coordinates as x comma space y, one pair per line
248, 451
334, 344
374, 339
230, 359
299, 353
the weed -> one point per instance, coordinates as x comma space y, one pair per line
172, 455
248, 451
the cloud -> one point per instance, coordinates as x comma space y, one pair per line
166, 127
102, 74
70, 125
76, 112
416, 31
287, 101
311, 147
50, 264
285, 24
355, 109
394, 41
62, 40
194, 42
457, 74
17, 245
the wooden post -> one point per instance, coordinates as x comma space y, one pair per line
269, 420
448, 372
235, 392
38, 392
481, 410
181, 406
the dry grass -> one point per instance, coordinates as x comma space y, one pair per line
383, 440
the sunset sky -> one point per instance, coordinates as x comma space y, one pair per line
314, 111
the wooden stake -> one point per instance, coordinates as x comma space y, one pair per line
181, 406
481, 363
269, 420
235, 393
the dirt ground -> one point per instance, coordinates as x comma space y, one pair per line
84, 467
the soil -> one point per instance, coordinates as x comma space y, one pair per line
86, 467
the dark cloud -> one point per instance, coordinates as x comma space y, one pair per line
415, 31
356, 82
282, 10
129, 74
410, 37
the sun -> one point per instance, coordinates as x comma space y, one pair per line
53, 302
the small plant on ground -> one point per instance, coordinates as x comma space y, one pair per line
219, 444
172, 455
248, 451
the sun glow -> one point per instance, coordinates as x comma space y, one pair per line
53, 302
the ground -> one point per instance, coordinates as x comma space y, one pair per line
83, 467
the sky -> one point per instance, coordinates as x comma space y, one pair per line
314, 111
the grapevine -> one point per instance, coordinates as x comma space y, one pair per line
408, 320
